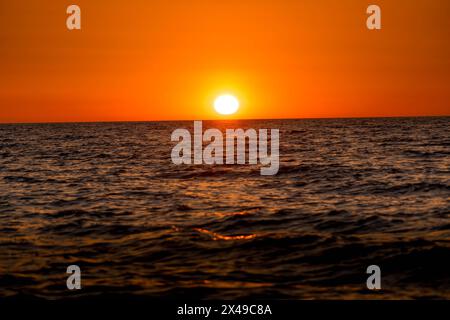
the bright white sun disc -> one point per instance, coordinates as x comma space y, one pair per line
226, 104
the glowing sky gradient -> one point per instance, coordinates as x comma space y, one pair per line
162, 60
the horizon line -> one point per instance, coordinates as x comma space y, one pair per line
231, 119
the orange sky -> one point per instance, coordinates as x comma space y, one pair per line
161, 60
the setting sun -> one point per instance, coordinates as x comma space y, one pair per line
226, 104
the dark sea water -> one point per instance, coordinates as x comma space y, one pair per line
106, 196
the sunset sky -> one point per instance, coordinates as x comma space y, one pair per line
161, 60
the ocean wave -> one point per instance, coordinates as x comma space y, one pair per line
348, 194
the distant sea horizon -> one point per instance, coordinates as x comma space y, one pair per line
229, 119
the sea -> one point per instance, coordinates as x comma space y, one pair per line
349, 194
